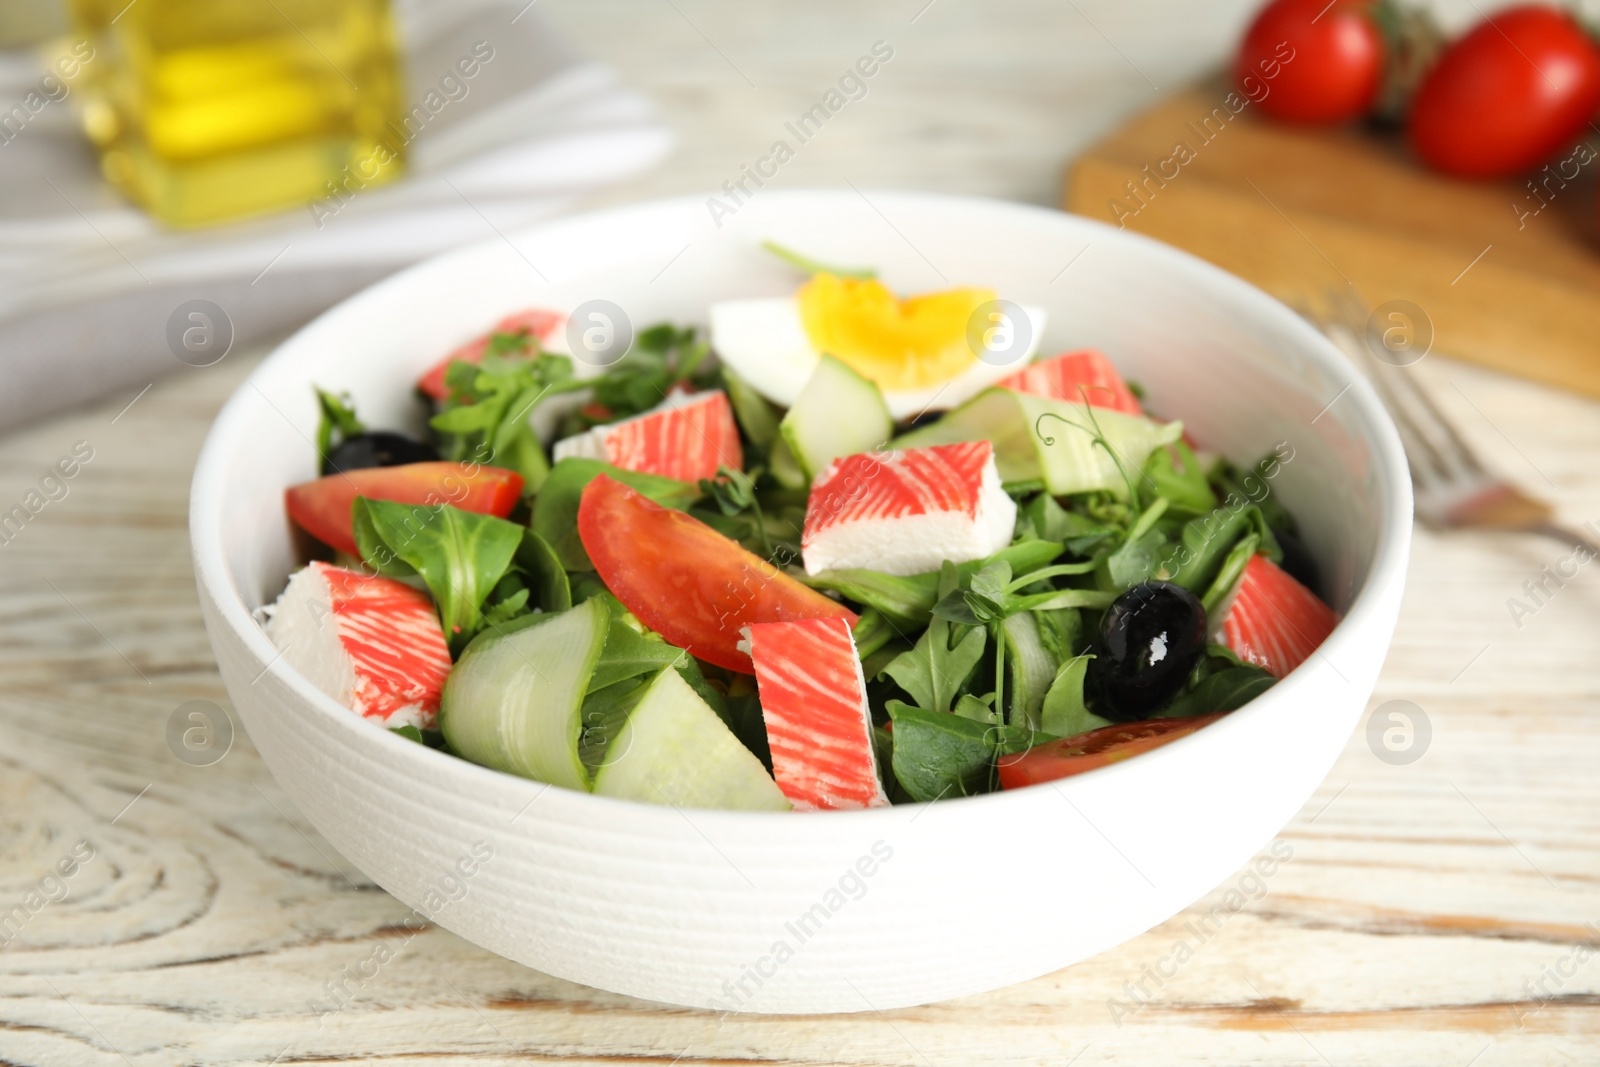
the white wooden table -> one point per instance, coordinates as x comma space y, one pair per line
1432, 913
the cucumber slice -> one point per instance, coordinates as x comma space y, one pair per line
785, 468
838, 413
675, 750
1054, 441
514, 699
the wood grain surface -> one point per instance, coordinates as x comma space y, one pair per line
1432, 913
1506, 272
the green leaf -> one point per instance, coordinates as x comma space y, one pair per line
938, 755
1060, 631
978, 709
1032, 667
484, 418
1206, 542
602, 716
1064, 713
338, 421
908, 601
934, 671
550, 582
555, 511
1228, 574
754, 413
460, 555
511, 606
1224, 691
1176, 474
986, 592
632, 651
872, 632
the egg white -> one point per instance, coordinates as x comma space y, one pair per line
765, 343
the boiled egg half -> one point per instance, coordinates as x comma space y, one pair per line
922, 351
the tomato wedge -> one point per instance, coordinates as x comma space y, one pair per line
1097, 748
686, 581
322, 507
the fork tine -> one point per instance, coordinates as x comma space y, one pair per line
1426, 459
1450, 454
1459, 447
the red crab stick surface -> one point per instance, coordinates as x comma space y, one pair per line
814, 701
905, 512
1275, 622
1085, 377
373, 644
686, 581
686, 438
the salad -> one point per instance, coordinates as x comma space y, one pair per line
842, 549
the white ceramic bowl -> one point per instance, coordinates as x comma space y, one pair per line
842, 911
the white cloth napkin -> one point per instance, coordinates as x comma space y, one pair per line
88, 284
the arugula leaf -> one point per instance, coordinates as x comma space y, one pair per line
485, 416
978, 709
1064, 713
934, 671
460, 555
1224, 691
555, 510
338, 422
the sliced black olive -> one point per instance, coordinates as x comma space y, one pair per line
1150, 638
1297, 562
377, 449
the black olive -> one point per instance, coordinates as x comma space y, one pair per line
921, 419
1297, 562
377, 449
1150, 638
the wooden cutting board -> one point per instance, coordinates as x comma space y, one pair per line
1505, 281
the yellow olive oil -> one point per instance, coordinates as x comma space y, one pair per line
206, 110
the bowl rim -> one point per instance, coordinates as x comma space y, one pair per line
1384, 575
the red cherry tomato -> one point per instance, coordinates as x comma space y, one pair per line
1519, 87
322, 507
686, 581
1312, 60
1097, 748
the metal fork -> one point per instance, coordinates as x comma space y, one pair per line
1454, 490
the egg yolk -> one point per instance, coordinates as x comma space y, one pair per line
914, 343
